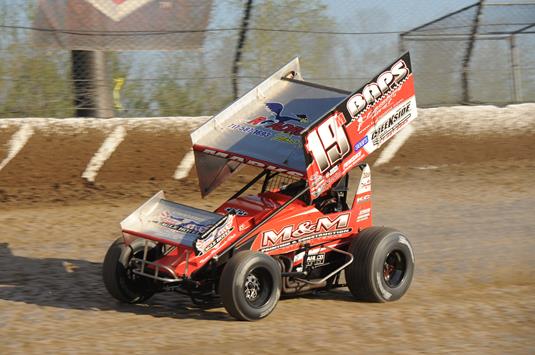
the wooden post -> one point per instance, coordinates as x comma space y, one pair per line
92, 92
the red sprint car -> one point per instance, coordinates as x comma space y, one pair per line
296, 225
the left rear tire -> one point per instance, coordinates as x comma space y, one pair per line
250, 285
118, 278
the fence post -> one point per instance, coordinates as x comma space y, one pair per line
515, 68
92, 93
468, 54
241, 40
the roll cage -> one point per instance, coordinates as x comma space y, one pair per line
290, 185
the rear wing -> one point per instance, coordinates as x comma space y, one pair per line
306, 130
262, 128
358, 125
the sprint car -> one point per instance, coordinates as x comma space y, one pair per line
298, 224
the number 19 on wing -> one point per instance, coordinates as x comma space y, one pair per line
328, 142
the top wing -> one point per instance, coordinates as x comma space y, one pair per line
263, 128
303, 129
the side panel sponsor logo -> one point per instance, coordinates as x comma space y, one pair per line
351, 161
323, 227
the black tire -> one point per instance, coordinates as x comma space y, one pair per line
250, 285
120, 282
383, 266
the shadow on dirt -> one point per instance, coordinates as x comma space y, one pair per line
77, 284
334, 295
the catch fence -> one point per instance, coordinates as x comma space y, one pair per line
142, 58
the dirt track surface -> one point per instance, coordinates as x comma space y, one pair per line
465, 201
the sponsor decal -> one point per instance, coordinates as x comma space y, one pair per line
323, 227
180, 224
349, 164
237, 211
333, 171
373, 91
248, 161
363, 199
249, 130
299, 257
364, 187
369, 118
364, 214
365, 184
317, 184
286, 139
315, 260
215, 237
279, 121
387, 128
361, 143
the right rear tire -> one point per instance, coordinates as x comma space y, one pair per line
383, 265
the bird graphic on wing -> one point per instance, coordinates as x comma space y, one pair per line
277, 108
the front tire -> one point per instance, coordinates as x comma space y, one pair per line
119, 280
383, 266
250, 285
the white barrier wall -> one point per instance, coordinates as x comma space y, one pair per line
15, 133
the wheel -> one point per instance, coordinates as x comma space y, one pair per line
250, 285
383, 266
119, 279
